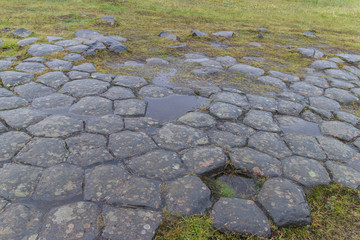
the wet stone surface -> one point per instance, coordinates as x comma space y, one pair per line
90, 155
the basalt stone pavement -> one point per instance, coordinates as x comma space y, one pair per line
81, 158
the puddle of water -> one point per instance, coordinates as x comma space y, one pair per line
299, 126
173, 107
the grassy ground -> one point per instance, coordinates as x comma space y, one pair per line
335, 209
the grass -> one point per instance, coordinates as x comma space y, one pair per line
335, 213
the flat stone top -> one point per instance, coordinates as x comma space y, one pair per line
79, 146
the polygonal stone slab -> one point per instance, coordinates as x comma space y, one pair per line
262, 103
97, 106
105, 125
226, 139
30, 67
225, 111
73, 57
55, 100
5, 64
340, 95
59, 182
19, 221
130, 81
347, 117
35, 59
247, 70
351, 58
114, 185
285, 202
72, 221
43, 49
255, 162
68, 43
244, 188
232, 98
336, 150
33, 90
22, 117
118, 93
322, 64
12, 102
285, 77
232, 215
187, 196
158, 164
56, 126
127, 144
126, 223
56, 64
344, 175
197, 120
87, 34
43, 152
130, 107
86, 149
140, 123
306, 171
53, 79
289, 108
305, 146
11, 78
306, 89
341, 74
155, 91
238, 129
85, 67
324, 103
5, 93
176, 137
17, 180
344, 131
269, 143
84, 87
261, 120
203, 160
317, 81
272, 81
11, 143
74, 75
27, 41
103, 76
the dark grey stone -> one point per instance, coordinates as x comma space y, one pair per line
128, 144
19, 221
337, 150
347, 117
261, 120
324, 103
156, 62
11, 78
126, 223
322, 64
309, 34
243, 187
68, 43
187, 196
7, 103
238, 129
168, 35
202, 160
291, 96
247, 70
43, 152
113, 184
18, 181
56, 64
232, 215
177, 137
227, 61
198, 33
197, 120
73, 57
311, 52
84, 87
118, 93
207, 91
285, 202
43, 49
262, 103
26, 42
272, 81
103, 76
22, 117
53, 79
22, 32
351, 58
30, 67
305, 146
86, 149
130, 81
140, 123
158, 164
56, 126
270, 143
232, 98
96, 106
289, 108
73, 75
155, 91
87, 34
5, 93
344, 175
340, 95
33, 90
53, 38
255, 162
11, 143
285, 77
344, 131
55, 100
107, 124
5, 64
224, 34
205, 71
226, 139
306, 89
77, 220
85, 67
59, 182
130, 107
317, 81
306, 171
341, 74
